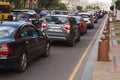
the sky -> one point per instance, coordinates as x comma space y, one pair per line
104, 1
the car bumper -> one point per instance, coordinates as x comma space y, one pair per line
59, 38
9, 63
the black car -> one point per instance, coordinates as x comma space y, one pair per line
20, 43
61, 28
30, 17
14, 13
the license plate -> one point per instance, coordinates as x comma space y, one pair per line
54, 30
3, 56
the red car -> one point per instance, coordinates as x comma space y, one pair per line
82, 24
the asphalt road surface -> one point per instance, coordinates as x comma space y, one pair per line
59, 65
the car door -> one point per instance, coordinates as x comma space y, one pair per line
29, 41
40, 41
75, 27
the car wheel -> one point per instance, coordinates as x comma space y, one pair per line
47, 50
23, 63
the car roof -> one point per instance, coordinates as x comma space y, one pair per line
13, 24
59, 15
24, 10
76, 16
85, 13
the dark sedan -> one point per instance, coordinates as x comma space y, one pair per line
30, 17
21, 42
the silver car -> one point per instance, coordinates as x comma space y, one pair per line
88, 18
62, 28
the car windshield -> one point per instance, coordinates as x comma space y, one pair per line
56, 20
6, 31
84, 15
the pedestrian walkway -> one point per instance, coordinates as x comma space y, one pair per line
110, 70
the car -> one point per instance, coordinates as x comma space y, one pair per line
14, 13
20, 43
30, 17
88, 19
61, 28
82, 24
94, 14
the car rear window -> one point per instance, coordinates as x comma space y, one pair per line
6, 31
84, 15
56, 20
77, 19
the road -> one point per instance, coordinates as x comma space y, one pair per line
59, 65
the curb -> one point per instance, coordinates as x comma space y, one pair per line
89, 67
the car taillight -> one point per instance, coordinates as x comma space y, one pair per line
44, 25
67, 26
30, 20
14, 18
5, 49
90, 19
80, 23
94, 15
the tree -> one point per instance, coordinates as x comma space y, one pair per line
117, 4
62, 6
47, 4
112, 7
96, 7
17, 4
89, 7
79, 7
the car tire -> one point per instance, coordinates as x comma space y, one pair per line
47, 50
22, 63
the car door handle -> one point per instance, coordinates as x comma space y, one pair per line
26, 41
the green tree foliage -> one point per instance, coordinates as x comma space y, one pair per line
89, 7
17, 4
41, 4
112, 7
117, 4
47, 4
92, 7
79, 7
96, 7
62, 6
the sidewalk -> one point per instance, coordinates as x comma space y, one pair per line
101, 70
110, 70
92, 59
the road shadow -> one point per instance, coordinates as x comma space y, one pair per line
60, 44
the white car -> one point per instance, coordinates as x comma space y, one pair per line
88, 18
